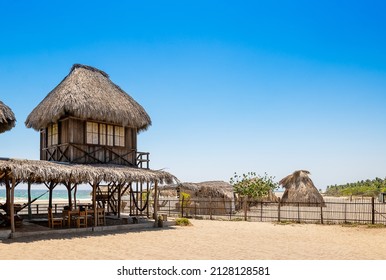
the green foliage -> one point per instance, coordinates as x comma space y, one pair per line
253, 186
184, 199
363, 188
183, 222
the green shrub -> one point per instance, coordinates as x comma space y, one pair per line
183, 222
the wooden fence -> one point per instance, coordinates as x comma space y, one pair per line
335, 211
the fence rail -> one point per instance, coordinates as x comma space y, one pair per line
363, 211
336, 211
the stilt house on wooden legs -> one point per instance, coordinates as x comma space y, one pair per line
88, 135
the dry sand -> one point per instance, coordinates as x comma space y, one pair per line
212, 240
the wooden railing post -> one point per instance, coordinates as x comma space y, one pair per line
210, 207
321, 214
261, 211
372, 211
299, 212
278, 211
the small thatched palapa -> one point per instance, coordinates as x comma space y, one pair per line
299, 188
88, 93
214, 196
7, 118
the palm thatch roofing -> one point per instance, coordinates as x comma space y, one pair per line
7, 118
203, 189
38, 171
300, 188
88, 93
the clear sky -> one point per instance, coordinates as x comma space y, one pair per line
231, 86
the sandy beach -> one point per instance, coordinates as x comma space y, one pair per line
209, 240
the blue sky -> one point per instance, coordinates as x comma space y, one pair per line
231, 86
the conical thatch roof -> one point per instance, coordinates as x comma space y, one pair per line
7, 118
88, 93
300, 188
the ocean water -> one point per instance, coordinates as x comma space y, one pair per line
58, 194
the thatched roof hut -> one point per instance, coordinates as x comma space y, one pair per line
214, 196
88, 93
299, 188
7, 118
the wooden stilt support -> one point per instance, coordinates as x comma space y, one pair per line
29, 200
156, 204
94, 204
12, 209
119, 200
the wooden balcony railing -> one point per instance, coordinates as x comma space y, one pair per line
95, 154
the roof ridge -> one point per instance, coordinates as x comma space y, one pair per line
90, 68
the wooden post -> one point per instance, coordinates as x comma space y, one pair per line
50, 189
147, 199
261, 211
372, 211
278, 211
210, 207
94, 206
12, 209
131, 203
156, 204
140, 201
29, 200
75, 191
321, 214
119, 200
298, 212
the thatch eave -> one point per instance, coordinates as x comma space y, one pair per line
37, 171
7, 118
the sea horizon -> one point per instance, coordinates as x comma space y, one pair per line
58, 194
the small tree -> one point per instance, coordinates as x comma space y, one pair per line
253, 186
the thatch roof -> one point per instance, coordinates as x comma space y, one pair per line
203, 189
88, 93
38, 171
7, 118
300, 188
